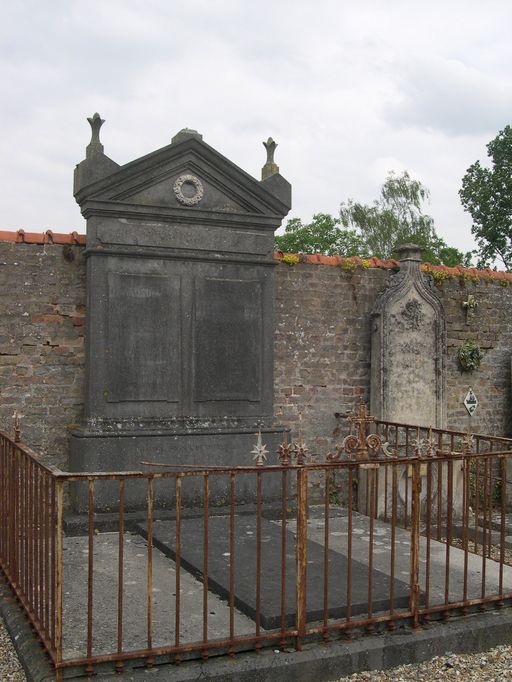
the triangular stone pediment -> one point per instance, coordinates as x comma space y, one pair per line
181, 185
189, 176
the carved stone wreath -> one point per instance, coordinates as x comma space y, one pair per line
191, 180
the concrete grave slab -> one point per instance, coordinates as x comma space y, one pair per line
245, 567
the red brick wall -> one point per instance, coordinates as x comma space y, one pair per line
322, 346
42, 311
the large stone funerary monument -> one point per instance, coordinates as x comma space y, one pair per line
180, 291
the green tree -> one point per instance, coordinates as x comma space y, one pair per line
377, 230
487, 195
396, 218
324, 234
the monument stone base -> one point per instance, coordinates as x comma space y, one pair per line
97, 451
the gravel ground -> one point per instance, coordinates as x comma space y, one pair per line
10, 667
491, 666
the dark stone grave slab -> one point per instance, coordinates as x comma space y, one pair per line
192, 536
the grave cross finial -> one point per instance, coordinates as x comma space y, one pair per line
270, 168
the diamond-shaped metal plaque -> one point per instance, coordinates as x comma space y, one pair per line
470, 402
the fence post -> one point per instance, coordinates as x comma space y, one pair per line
414, 596
59, 577
301, 554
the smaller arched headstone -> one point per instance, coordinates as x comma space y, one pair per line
408, 376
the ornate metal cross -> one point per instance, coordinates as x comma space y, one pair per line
361, 419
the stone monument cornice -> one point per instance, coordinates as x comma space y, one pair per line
179, 255
255, 221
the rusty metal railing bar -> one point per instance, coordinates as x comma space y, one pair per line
371, 473
206, 494
503, 507
59, 571
449, 519
284, 482
428, 533
47, 553
53, 550
301, 555
465, 531
120, 575
33, 619
327, 483
118, 475
149, 572
484, 538
360, 622
172, 650
90, 569
258, 556
348, 609
231, 650
394, 503
450, 432
177, 566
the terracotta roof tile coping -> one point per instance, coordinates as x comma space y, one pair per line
50, 237
387, 264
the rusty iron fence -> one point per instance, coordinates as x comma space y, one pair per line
400, 524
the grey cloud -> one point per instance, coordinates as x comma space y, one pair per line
449, 96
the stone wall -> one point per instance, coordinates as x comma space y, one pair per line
322, 342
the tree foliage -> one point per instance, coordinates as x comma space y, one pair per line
487, 195
324, 234
395, 218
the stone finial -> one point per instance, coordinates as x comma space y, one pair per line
96, 164
95, 145
186, 134
270, 168
409, 252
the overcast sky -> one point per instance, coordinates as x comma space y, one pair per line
349, 90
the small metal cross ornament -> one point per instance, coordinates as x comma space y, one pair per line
363, 442
259, 451
300, 450
285, 451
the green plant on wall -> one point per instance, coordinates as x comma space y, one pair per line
290, 259
469, 355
